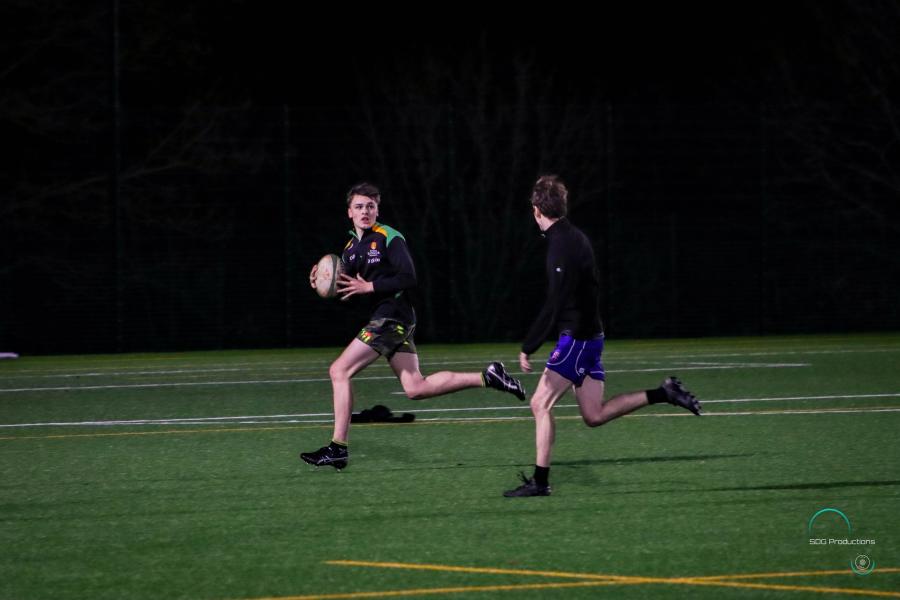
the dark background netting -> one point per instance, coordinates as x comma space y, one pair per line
176, 198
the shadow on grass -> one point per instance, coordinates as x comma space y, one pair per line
441, 467
646, 459
804, 486
569, 463
765, 488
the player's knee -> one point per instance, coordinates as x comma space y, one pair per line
594, 420
591, 421
337, 372
415, 391
539, 408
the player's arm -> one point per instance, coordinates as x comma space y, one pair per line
543, 324
403, 271
560, 285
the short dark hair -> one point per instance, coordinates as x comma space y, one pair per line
550, 196
364, 188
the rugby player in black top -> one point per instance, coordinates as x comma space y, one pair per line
378, 265
571, 312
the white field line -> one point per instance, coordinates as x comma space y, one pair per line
872, 350
295, 418
289, 367
823, 411
819, 411
196, 373
709, 367
621, 355
300, 364
292, 367
178, 384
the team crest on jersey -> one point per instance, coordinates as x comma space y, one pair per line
555, 355
374, 254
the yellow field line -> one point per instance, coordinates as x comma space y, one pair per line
484, 570
794, 574
446, 590
712, 581
788, 588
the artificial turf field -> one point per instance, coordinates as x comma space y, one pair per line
176, 476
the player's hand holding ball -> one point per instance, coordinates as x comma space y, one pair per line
348, 286
327, 277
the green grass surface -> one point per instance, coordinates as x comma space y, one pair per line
198, 502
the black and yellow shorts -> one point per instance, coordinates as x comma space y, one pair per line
387, 337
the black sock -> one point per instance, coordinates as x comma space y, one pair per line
337, 445
658, 395
541, 475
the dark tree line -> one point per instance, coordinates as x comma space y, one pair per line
175, 172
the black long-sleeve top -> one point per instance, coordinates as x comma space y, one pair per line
573, 289
381, 256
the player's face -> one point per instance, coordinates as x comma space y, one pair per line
363, 211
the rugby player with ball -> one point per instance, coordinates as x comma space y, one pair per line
377, 266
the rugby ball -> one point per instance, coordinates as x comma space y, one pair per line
328, 269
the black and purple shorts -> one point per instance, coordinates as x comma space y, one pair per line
577, 359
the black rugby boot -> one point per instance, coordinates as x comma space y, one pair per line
495, 376
331, 455
678, 395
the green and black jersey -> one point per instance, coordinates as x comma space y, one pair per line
381, 256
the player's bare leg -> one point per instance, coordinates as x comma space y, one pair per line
352, 360
418, 387
596, 412
355, 357
549, 390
